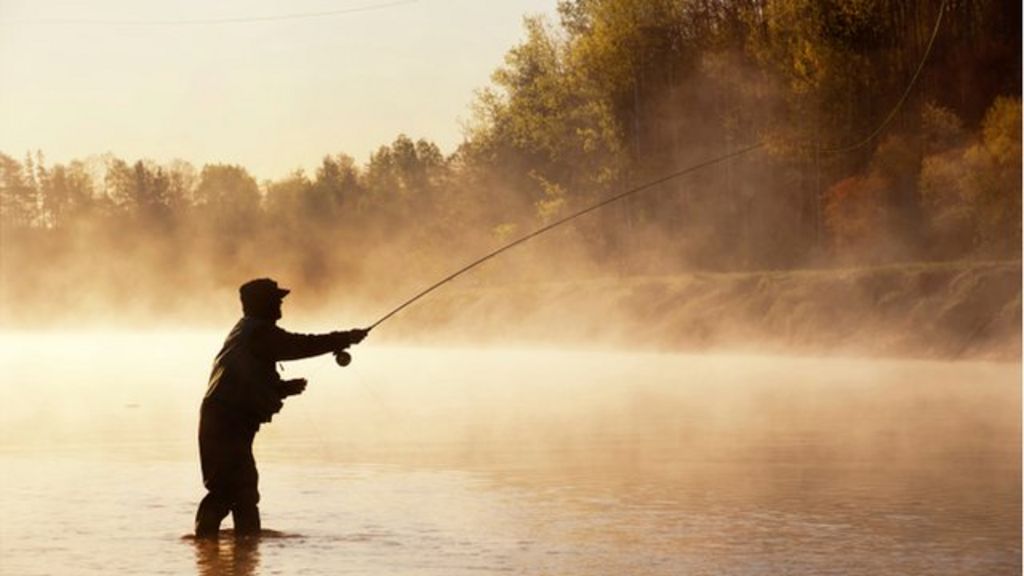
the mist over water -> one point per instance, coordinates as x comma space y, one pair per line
483, 460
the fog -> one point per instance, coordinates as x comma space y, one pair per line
523, 407
353, 249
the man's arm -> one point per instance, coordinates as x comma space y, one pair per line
278, 344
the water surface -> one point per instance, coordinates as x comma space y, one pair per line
470, 461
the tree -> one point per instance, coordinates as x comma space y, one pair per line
67, 195
858, 217
19, 205
229, 199
996, 162
971, 194
141, 191
335, 187
403, 179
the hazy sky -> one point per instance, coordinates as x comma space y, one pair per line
147, 79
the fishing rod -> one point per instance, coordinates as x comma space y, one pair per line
343, 358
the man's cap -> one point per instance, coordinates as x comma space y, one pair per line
261, 289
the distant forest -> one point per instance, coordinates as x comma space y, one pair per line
613, 94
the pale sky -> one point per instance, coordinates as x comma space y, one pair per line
151, 80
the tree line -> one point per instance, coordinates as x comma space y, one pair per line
612, 94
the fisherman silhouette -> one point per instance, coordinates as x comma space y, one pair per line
245, 391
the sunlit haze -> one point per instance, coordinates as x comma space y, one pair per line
146, 80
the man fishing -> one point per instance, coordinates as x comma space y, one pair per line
246, 391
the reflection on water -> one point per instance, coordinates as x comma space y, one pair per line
476, 462
227, 555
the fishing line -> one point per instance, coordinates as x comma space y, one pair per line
906, 93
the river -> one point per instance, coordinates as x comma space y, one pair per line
523, 461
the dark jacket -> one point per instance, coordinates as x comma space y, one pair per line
244, 384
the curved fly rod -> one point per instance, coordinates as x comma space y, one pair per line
343, 358
559, 222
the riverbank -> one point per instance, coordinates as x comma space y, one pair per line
946, 310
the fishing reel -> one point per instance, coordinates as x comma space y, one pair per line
341, 356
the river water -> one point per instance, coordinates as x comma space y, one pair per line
482, 461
